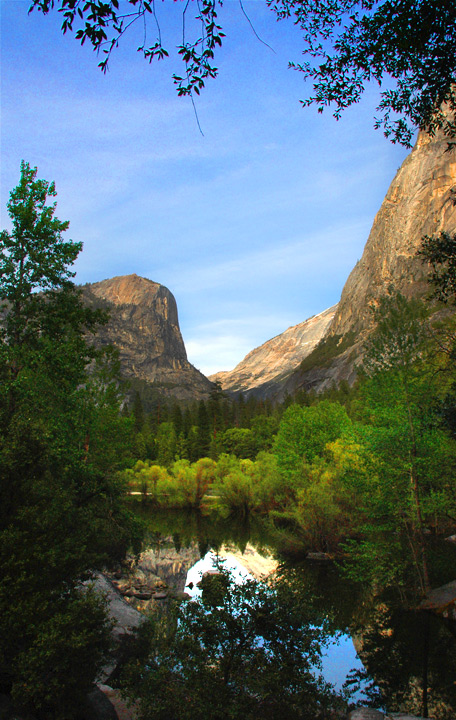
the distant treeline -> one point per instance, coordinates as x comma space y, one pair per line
220, 424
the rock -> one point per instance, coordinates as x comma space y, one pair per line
441, 600
318, 556
97, 706
144, 327
419, 202
124, 711
129, 592
160, 596
127, 620
266, 367
403, 716
363, 713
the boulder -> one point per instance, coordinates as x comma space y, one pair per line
97, 706
363, 713
127, 620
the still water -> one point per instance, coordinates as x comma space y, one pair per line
340, 657
388, 649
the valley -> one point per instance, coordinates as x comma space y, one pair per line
319, 352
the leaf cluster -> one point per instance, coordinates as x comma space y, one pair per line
103, 23
407, 47
353, 42
241, 650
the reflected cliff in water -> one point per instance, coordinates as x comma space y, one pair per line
407, 657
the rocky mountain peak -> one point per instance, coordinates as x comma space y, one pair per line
265, 368
419, 202
144, 327
127, 290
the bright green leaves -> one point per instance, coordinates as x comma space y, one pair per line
304, 433
34, 257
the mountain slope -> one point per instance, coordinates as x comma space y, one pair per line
419, 202
264, 369
144, 327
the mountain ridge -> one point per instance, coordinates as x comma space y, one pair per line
419, 202
144, 326
267, 366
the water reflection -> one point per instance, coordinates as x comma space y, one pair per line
401, 658
340, 657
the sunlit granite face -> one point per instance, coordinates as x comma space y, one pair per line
275, 359
144, 327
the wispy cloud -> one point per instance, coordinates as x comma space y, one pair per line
311, 254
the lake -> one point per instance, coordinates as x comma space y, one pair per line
391, 653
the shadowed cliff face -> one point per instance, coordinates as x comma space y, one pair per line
144, 327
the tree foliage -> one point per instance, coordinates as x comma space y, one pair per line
240, 650
305, 431
408, 47
440, 252
62, 513
400, 431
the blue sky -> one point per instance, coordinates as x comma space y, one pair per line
254, 226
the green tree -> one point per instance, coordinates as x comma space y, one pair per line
235, 488
62, 513
304, 432
239, 442
440, 252
138, 413
401, 432
408, 48
327, 508
204, 477
241, 650
264, 429
166, 443
204, 430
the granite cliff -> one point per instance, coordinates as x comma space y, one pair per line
264, 370
144, 327
419, 202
